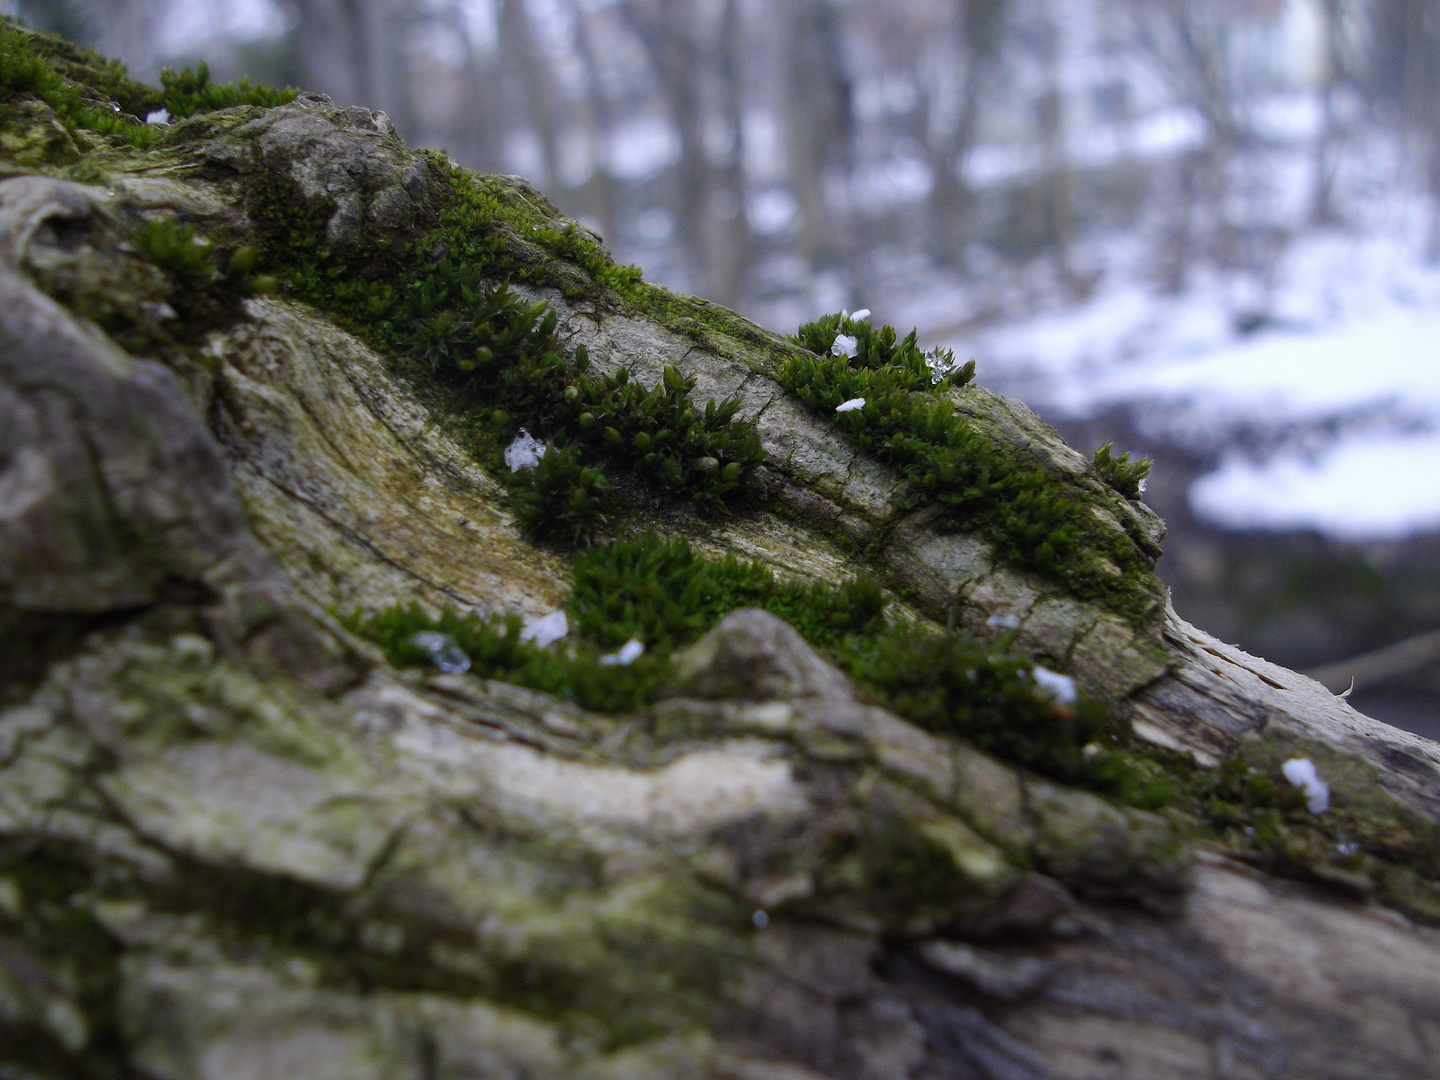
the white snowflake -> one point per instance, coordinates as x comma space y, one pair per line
845, 345
444, 653
525, 452
851, 405
545, 629
1301, 772
626, 655
1060, 687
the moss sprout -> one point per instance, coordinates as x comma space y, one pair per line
204, 282
1125, 476
175, 248
1037, 518
1365, 843
186, 93
562, 499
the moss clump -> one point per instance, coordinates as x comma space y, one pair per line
562, 499
94, 94
1037, 518
986, 693
664, 593
503, 361
1125, 476
1366, 843
186, 93
572, 671
201, 283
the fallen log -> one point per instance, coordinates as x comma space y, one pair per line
910, 770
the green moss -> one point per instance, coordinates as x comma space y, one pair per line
176, 249
78, 963
665, 594
1366, 843
985, 692
503, 361
201, 282
1038, 518
962, 685
496, 652
186, 93
900, 870
94, 94
562, 499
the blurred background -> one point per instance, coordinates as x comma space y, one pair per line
1205, 230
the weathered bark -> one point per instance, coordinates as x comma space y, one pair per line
238, 843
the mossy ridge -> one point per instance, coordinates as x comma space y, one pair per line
664, 594
1366, 844
436, 302
1037, 518
92, 93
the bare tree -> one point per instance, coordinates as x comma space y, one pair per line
597, 198
537, 97
1404, 80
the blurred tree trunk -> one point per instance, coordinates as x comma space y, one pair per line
353, 50
1056, 196
698, 72
538, 95
729, 244
1190, 46
596, 197
819, 128
976, 27
1330, 139
475, 131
